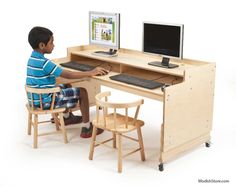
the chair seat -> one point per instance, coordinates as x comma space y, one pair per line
120, 123
38, 111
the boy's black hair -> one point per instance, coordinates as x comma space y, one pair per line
37, 35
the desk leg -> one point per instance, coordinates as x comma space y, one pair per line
161, 166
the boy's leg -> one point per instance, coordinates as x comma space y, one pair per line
84, 104
84, 108
74, 101
81, 94
68, 98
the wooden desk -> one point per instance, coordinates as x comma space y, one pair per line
187, 102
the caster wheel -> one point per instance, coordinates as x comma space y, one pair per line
207, 144
161, 167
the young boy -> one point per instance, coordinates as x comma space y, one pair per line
42, 73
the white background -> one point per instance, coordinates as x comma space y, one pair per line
209, 35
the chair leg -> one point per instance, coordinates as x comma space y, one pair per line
55, 117
119, 153
63, 127
92, 143
114, 140
35, 131
29, 123
140, 140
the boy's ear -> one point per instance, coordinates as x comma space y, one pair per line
41, 45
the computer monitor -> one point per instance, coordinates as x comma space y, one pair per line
104, 30
165, 40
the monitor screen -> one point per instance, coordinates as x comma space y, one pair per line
163, 39
104, 29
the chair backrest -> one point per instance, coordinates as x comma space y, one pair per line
102, 102
40, 91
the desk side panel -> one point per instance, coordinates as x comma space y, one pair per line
188, 110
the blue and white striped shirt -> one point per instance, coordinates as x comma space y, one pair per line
41, 73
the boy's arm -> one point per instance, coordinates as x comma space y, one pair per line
76, 75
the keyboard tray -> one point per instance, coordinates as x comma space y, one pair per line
77, 66
125, 78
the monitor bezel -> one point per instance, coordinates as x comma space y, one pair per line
117, 15
181, 39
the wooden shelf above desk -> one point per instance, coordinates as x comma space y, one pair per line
135, 59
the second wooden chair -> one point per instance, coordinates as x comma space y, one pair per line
118, 124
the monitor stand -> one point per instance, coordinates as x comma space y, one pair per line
110, 53
165, 63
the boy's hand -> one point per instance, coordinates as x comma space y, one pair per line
98, 71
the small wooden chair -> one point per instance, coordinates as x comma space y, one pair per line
117, 124
35, 111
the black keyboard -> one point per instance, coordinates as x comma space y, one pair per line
77, 66
125, 78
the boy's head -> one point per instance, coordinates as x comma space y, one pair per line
41, 39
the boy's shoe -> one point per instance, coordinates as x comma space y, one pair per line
87, 132
72, 119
